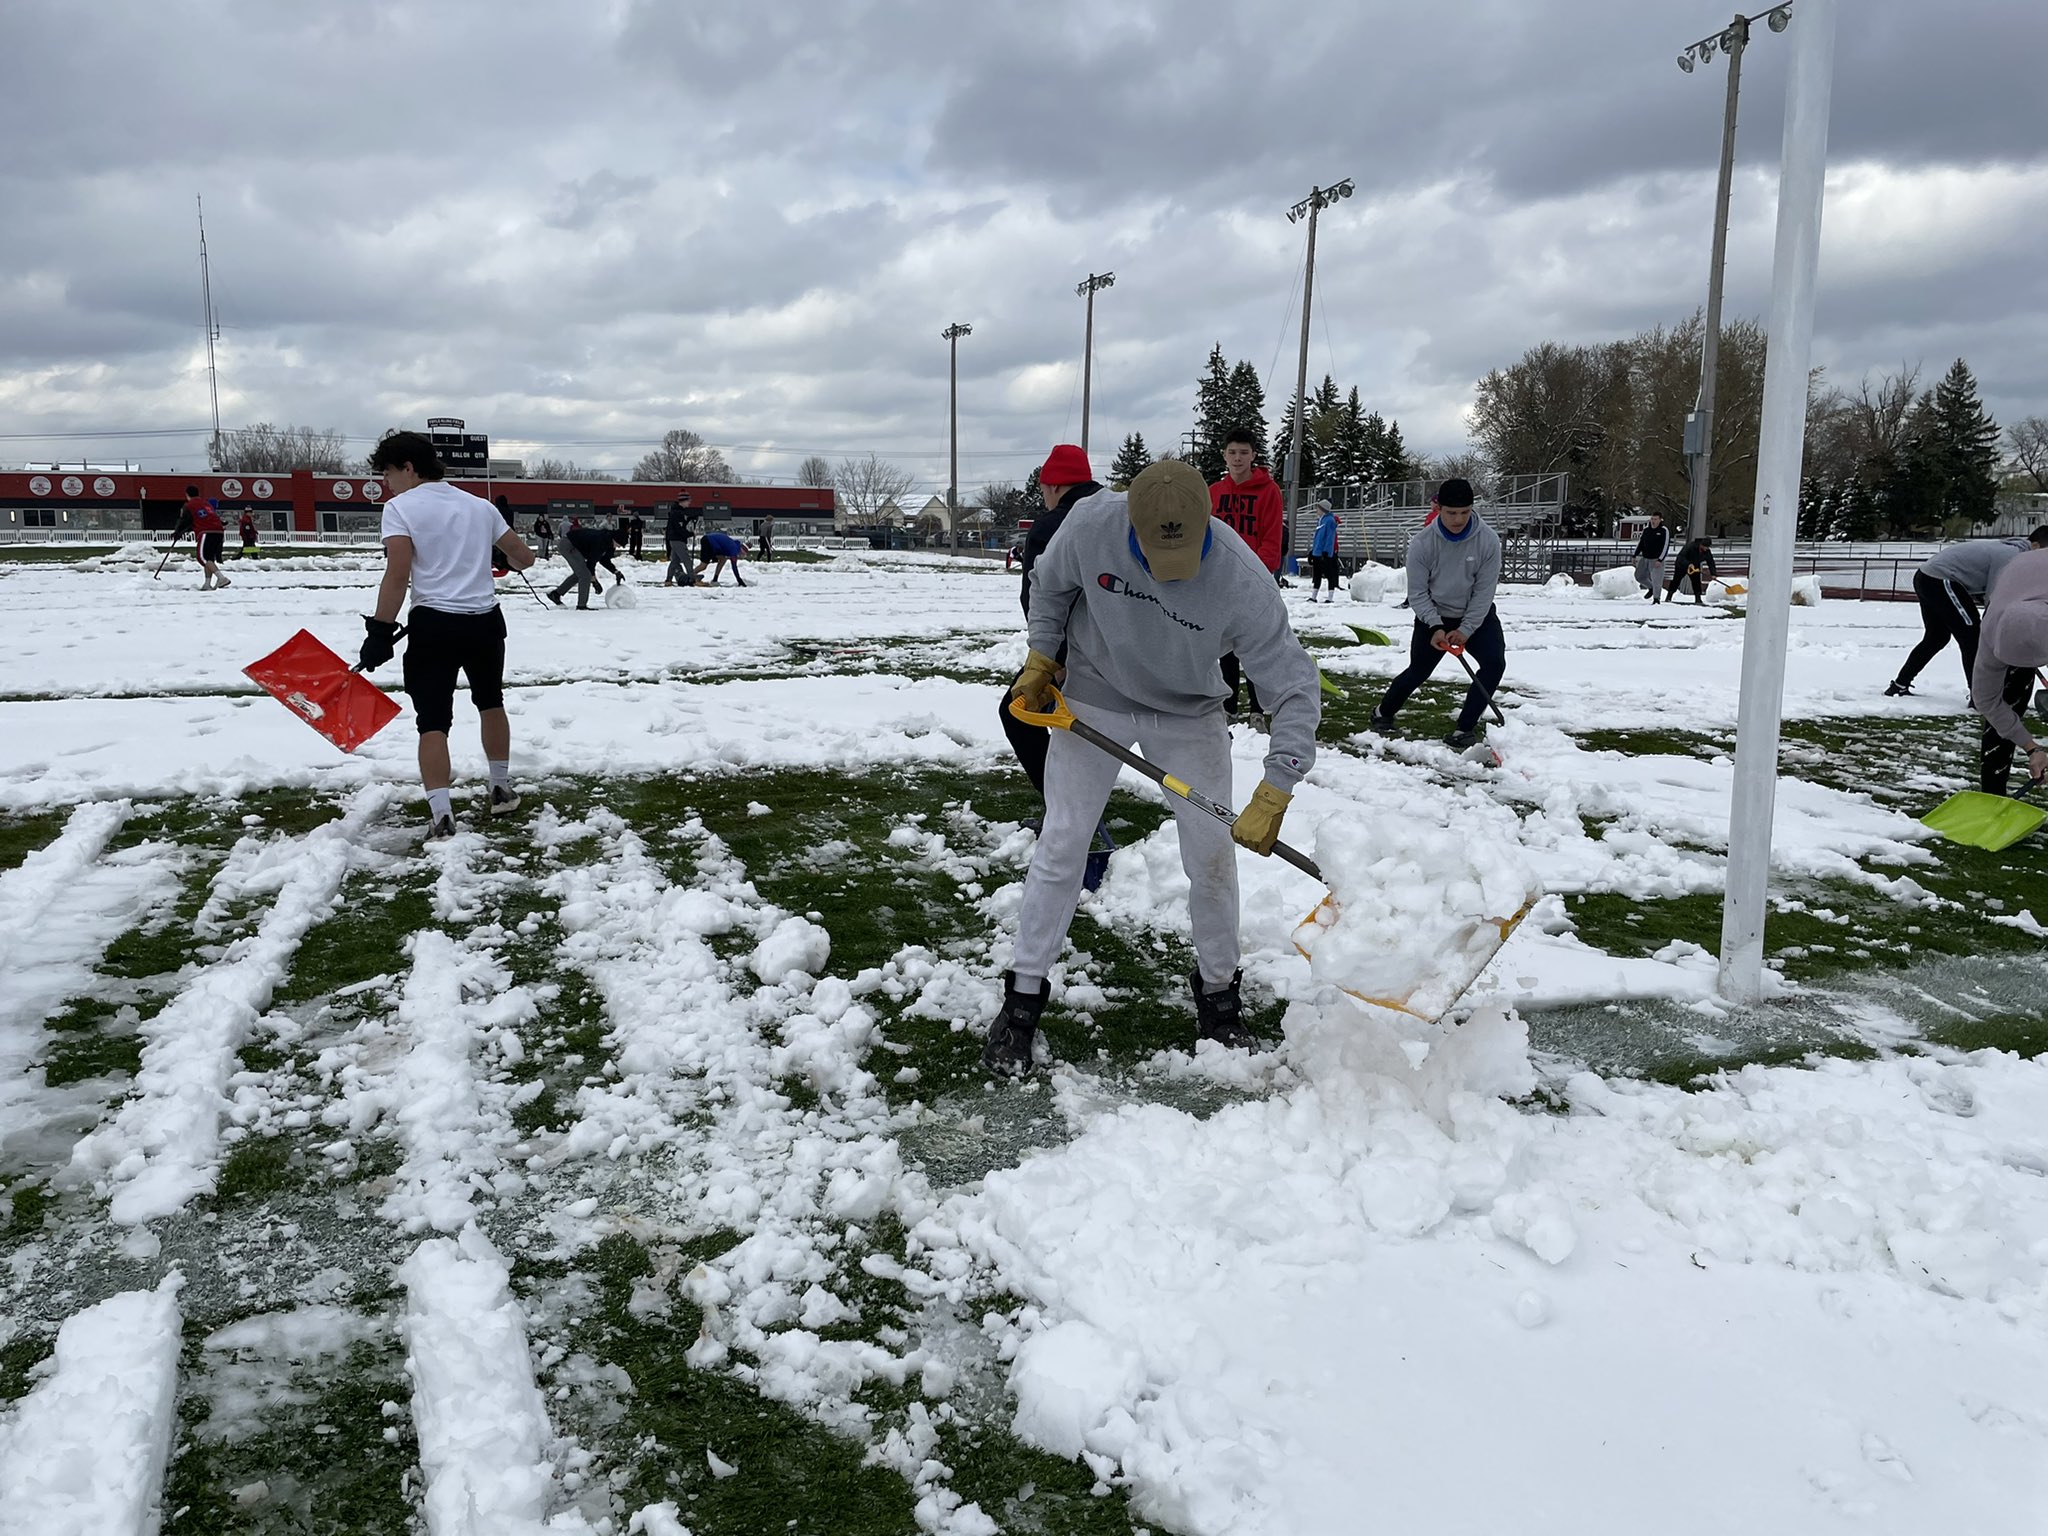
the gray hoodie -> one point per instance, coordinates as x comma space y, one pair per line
1973, 564
2015, 634
1144, 646
1453, 578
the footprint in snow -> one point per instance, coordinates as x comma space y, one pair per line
1883, 1458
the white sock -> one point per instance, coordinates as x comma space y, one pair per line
1028, 986
501, 774
440, 802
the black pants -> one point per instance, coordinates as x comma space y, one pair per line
438, 646
1698, 576
1995, 753
1947, 613
1487, 643
1027, 741
1231, 679
1322, 568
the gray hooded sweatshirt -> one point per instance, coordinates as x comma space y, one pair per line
1453, 578
2015, 634
1144, 646
1974, 564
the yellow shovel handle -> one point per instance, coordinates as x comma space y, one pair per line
1058, 718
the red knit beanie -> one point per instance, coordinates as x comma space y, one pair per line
1065, 465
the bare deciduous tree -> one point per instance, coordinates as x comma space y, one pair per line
564, 469
684, 456
2028, 444
265, 449
815, 472
865, 485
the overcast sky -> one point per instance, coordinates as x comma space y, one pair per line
579, 224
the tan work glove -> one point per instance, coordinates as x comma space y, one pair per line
1034, 683
1258, 825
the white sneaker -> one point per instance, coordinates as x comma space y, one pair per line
504, 800
222, 581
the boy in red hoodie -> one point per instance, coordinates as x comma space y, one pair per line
207, 529
1248, 501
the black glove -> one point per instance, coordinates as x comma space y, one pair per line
379, 644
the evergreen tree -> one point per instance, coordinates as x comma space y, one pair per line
1247, 406
1130, 459
1350, 459
1213, 415
1910, 481
1032, 503
1283, 444
1964, 448
1394, 461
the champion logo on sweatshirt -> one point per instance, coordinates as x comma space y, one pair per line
1110, 582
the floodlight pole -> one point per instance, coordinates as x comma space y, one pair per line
952, 335
1317, 200
1698, 445
1088, 290
1779, 453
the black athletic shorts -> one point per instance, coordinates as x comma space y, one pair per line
437, 646
209, 549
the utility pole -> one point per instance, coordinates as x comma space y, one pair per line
214, 458
1087, 291
952, 335
1317, 200
1699, 426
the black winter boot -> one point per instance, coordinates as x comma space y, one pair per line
1220, 1015
1008, 1051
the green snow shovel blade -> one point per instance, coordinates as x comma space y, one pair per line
1370, 636
1328, 687
1978, 820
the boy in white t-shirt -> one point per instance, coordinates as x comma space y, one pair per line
443, 544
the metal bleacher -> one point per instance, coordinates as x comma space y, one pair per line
1376, 521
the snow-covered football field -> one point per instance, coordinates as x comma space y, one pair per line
625, 1166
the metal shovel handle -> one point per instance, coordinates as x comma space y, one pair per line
1061, 718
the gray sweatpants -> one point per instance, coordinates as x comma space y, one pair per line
1078, 779
579, 575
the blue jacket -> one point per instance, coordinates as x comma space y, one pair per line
1325, 542
723, 546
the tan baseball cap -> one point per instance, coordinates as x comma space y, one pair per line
1169, 507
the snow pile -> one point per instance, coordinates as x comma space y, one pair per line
1805, 591
85, 1451
1617, 581
1371, 582
485, 1441
1415, 909
1560, 585
619, 595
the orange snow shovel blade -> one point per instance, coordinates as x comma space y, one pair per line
317, 686
1484, 939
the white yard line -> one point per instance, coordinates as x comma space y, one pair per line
84, 1453
486, 1447
163, 1145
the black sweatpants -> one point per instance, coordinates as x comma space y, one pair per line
1699, 576
1995, 753
1947, 613
1322, 568
1027, 741
1232, 678
1487, 644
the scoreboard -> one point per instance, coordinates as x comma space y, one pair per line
466, 454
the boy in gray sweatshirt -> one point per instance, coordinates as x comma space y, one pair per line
1952, 587
2013, 644
1453, 568
1147, 592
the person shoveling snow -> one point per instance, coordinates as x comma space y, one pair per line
1147, 591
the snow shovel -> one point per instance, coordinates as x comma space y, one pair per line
1990, 822
1459, 652
169, 550
1367, 636
1061, 718
324, 691
1478, 942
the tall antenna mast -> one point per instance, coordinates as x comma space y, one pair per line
212, 336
